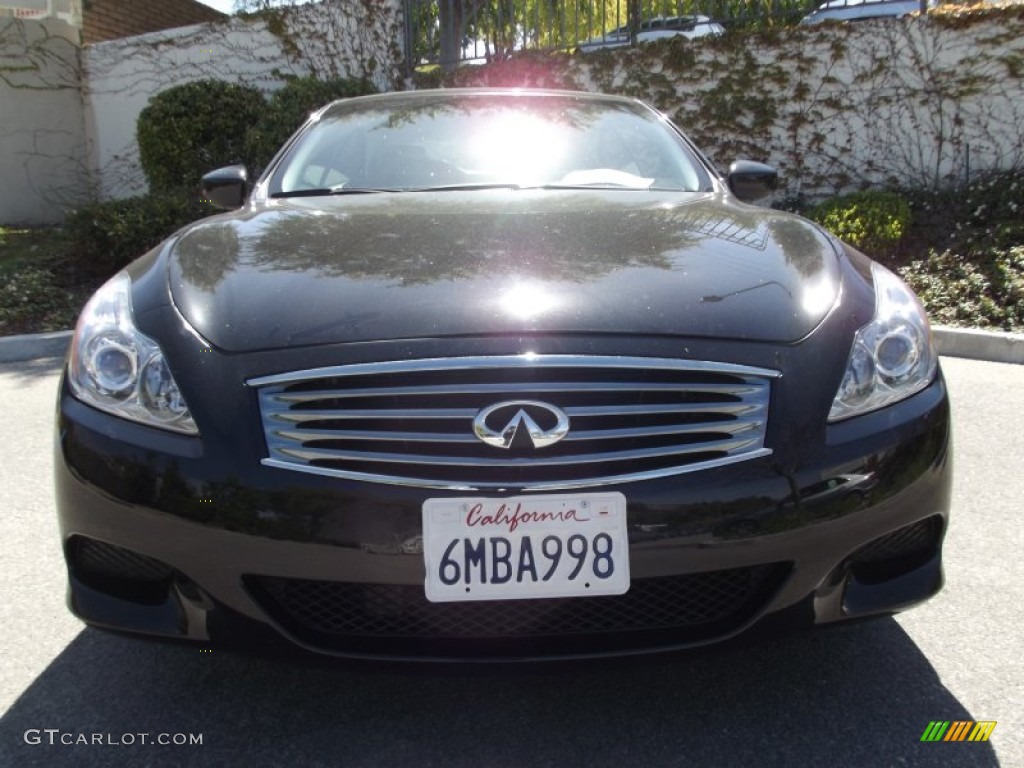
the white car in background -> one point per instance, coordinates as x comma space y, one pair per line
656, 28
862, 10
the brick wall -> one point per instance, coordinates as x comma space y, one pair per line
111, 19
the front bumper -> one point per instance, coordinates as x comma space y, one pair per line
180, 537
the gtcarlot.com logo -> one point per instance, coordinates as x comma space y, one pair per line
958, 730
57, 737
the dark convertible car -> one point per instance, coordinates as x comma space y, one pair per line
485, 374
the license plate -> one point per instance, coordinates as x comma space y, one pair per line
525, 547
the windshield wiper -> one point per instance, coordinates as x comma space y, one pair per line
467, 186
517, 187
603, 185
340, 190
471, 186
612, 186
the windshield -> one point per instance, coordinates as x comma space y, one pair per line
465, 141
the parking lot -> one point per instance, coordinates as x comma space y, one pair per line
860, 695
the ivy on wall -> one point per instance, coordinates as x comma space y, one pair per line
35, 57
357, 40
923, 103
43, 149
919, 103
265, 50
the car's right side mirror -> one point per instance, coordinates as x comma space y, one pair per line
751, 181
226, 187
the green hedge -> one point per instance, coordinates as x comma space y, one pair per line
288, 109
34, 299
190, 129
872, 221
184, 132
106, 236
979, 290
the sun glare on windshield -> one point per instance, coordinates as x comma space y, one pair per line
517, 148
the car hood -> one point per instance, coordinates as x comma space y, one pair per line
425, 265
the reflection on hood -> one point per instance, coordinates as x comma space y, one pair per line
414, 264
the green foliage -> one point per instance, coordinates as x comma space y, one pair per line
107, 236
288, 109
32, 299
974, 237
38, 292
980, 291
193, 128
988, 213
5, 233
872, 221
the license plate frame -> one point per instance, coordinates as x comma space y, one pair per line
471, 543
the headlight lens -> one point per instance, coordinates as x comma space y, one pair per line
892, 356
120, 370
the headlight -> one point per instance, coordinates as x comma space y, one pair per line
892, 356
117, 369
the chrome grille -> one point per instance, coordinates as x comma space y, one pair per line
411, 422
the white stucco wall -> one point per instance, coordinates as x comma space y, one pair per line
43, 164
122, 75
913, 103
904, 103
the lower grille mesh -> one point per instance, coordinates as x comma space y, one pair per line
898, 552
324, 612
106, 560
920, 537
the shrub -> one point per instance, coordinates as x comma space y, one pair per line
32, 300
288, 109
107, 236
872, 221
980, 290
987, 213
193, 128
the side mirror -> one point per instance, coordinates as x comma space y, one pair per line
226, 188
751, 181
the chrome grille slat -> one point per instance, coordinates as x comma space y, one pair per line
731, 427
484, 389
510, 362
538, 486
469, 413
626, 410
319, 454
354, 434
411, 422
375, 413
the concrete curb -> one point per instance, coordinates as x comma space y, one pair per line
33, 346
993, 346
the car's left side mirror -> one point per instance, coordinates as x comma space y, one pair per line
226, 187
751, 181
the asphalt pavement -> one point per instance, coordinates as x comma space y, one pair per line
860, 695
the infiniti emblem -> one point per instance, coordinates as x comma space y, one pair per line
499, 424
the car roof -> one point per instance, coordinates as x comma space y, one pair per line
661, 22
684, 22
839, 4
413, 98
